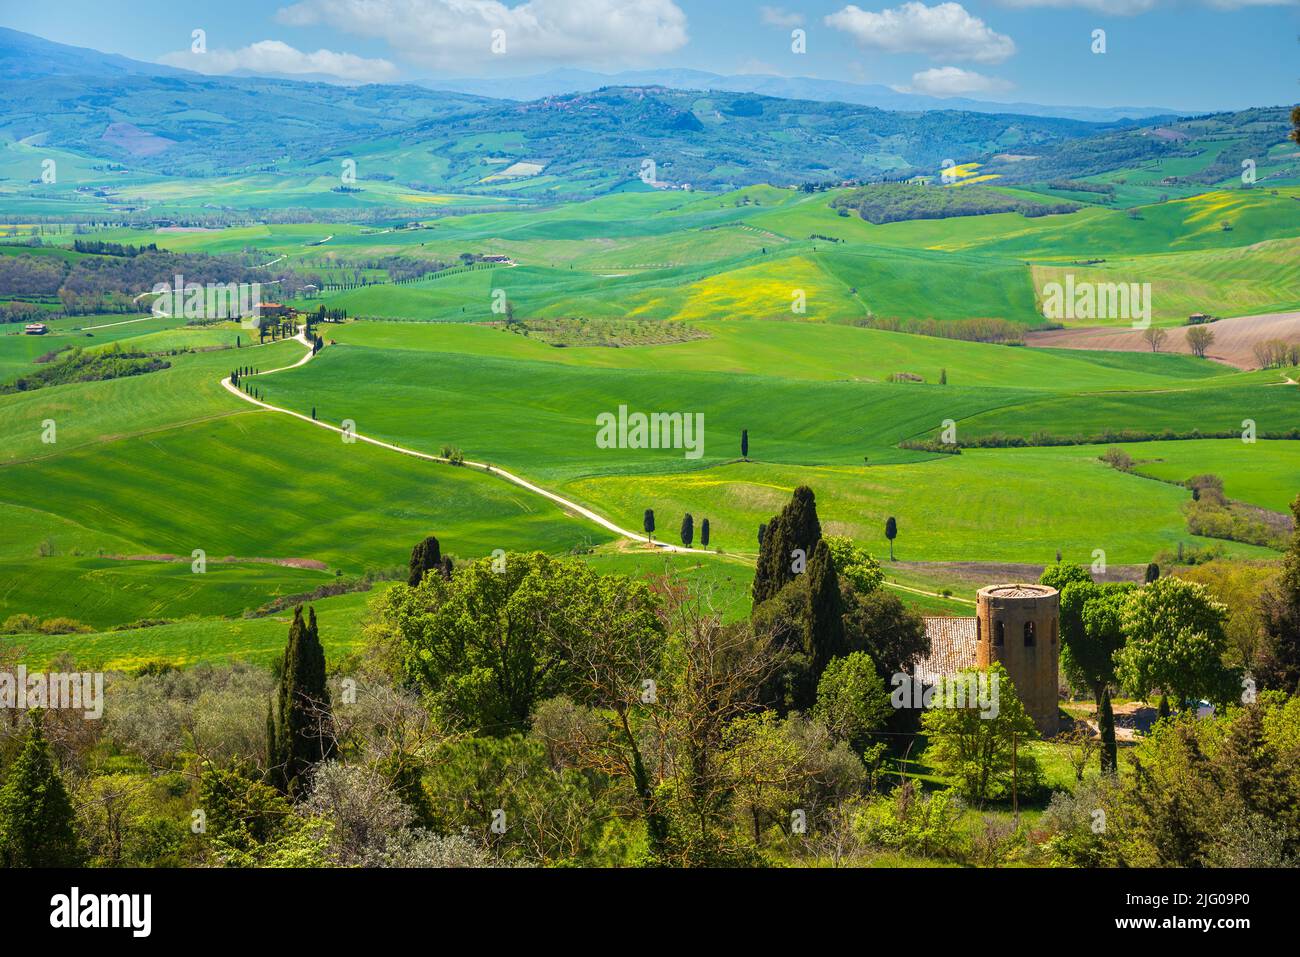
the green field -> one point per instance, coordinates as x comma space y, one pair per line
169, 462
746, 253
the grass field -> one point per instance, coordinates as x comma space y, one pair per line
169, 462
686, 256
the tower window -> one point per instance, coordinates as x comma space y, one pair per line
1000, 634
1029, 634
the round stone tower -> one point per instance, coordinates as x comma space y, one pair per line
1019, 625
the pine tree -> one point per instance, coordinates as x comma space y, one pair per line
688, 530
302, 733
425, 556
704, 533
36, 815
824, 629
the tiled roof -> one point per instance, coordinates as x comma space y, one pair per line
952, 647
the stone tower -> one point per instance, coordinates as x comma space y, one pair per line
1019, 625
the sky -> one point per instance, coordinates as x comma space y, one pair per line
1188, 55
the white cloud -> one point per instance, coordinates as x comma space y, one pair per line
779, 17
945, 31
275, 56
440, 34
954, 81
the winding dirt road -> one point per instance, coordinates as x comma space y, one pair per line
566, 504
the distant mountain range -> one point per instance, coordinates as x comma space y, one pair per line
557, 82
535, 139
23, 55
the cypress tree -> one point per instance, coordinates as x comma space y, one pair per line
36, 815
648, 523
1106, 725
302, 733
795, 527
1152, 573
891, 533
704, 533
425, 556
824, 629
688, 530
1279, 665
744, 444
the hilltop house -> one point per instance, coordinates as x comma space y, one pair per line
36, 329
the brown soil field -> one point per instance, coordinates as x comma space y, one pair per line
1234, 339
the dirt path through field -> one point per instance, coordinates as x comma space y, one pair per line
497, 471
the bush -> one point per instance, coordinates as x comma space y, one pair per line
1117, 459
910, 820
63, 626
20, 625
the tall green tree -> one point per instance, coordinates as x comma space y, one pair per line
488, 645
1106, 728
302, 730
426, 556
984, 754
1175, 643
852, 700
891, 533
648, 523
795, 529
688, 530
1092, 632
744, 444
1279, 665
36, 815
854, 564
879, 624
704, 533
824, 629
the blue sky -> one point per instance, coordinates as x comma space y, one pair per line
1190, 55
